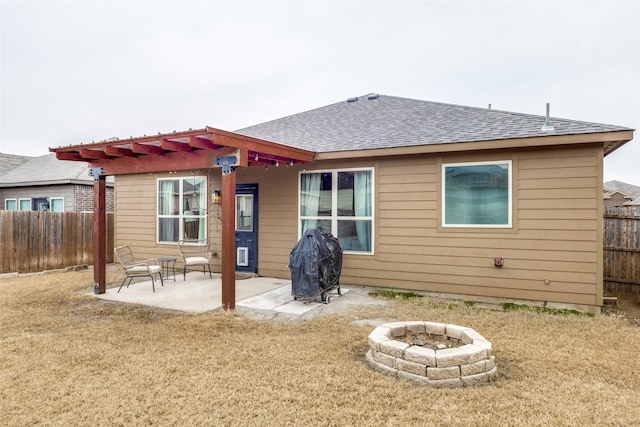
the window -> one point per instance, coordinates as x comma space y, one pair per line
339, 202
182, 209
57, 204
24, 204
477, 194
244, 212
10, 204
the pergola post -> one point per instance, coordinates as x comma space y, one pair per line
99, 231
228, 240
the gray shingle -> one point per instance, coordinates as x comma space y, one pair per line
389, 121
9, 162
47, 169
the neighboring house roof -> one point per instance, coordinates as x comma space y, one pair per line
379, 121
47, 170
9, 162
629, 190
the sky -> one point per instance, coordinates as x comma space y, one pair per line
74, 72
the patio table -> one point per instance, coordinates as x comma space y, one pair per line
168, 264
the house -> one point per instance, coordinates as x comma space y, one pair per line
618, 193
45, 183
421, 195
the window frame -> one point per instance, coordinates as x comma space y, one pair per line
334, 217
181, 216
15, 201
509, 224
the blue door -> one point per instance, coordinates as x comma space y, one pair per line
247, 228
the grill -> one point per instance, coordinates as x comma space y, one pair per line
315, 263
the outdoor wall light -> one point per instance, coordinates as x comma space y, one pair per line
216, 197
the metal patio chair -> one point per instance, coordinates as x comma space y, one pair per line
195, 253
133, 268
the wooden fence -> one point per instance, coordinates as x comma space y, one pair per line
32, 241
622, 249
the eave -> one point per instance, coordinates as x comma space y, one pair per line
611, 141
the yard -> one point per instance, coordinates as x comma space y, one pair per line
68, 358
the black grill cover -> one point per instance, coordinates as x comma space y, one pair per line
315, 263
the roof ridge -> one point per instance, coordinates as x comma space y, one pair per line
517, 113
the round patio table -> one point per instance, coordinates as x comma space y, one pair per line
167, 264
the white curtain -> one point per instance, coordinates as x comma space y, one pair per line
202, 203
309, 199
167, 207
362, 207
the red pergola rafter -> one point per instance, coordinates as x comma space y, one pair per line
178, 151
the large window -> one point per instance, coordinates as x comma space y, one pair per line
339, 202
182, 209
477, 194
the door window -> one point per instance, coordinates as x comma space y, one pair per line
244, 212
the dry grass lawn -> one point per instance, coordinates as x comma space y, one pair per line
70, 359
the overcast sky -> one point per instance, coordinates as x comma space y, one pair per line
74, 72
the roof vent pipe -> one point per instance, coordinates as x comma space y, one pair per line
547, 126
489, 107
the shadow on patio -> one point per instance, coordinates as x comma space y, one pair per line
199, 294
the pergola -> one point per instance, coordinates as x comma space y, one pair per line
178, 151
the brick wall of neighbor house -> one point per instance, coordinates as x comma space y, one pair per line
83, 198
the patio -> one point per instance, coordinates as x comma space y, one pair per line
199, 294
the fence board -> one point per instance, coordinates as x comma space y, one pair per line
622, 249
33, 241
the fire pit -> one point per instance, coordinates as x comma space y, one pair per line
431, 354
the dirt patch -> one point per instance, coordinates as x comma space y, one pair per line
627, 307
434, 342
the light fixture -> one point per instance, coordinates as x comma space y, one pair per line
256, 157
216, 197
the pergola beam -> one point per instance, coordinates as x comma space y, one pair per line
167, 144
90, 154
202, 143
119, 152
140, 148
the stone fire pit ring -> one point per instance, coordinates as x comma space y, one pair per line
471, 363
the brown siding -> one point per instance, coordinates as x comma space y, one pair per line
136, 222
552, 253
277, 216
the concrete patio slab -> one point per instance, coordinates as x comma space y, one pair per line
281, 301
199, 294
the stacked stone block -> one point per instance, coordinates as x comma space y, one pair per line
470, 364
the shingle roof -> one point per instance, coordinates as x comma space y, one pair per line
47, 170
380, 121
9, 162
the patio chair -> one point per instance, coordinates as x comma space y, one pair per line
132, 268
195, 253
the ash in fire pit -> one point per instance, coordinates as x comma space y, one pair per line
432, 354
